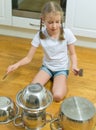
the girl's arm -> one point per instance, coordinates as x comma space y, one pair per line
73, 57
27, 59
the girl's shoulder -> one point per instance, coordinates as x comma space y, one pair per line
69, 36
67, 30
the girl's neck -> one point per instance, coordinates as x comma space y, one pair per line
54, 35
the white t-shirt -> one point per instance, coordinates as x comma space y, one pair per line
55, 51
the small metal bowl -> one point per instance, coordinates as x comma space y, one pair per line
34, 97
8, 110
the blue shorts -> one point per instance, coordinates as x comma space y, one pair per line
55, 73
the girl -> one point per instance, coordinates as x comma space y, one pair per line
55, 41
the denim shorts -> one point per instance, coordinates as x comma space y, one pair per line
54, 73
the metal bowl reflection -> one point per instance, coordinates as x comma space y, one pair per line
8, 110
34, 97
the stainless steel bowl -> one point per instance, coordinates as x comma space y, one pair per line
76, 113
8, 110
32, 121
34, 97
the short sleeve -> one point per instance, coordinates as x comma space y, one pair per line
69, 36
36, 40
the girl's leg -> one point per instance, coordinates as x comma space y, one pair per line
59, 88
42, 77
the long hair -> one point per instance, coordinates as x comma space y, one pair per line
48, 8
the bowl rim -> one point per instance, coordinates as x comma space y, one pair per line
8, 103
19, 102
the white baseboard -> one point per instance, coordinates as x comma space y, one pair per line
29, 33
86, 42
17, 32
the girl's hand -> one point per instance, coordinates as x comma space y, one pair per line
78, 71
75, 71
12, 68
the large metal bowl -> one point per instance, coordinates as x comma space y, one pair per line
34, 97
8, 110
76, 113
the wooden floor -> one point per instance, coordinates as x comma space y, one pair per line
12, 49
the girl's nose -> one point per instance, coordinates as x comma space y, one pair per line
54, 25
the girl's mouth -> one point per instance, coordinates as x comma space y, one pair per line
53, 30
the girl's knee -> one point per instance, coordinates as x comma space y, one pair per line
58, 97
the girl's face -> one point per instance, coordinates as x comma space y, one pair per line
52, 22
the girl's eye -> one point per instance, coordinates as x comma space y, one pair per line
57, 21
50, 22
53, 22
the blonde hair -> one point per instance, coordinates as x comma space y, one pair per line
48, 8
